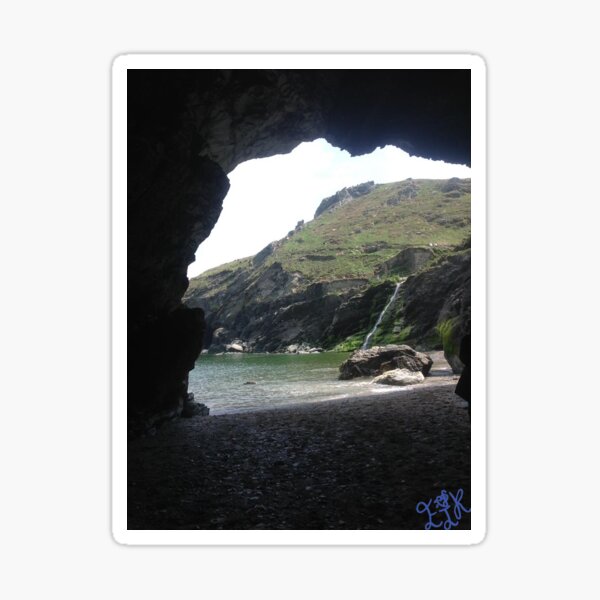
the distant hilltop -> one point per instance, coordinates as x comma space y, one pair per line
323, 285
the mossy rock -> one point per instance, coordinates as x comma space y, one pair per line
351, 343
451, 332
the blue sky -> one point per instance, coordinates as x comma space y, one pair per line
269, 196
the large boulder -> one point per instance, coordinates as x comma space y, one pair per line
371, 361
400, 377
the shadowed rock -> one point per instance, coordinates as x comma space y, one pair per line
191, 408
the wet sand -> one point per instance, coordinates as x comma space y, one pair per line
356, 463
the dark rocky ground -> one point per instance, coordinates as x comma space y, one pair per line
360, 463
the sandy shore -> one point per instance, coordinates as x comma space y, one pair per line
356, 463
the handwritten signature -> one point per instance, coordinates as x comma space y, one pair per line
445, 506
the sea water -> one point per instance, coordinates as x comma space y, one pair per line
237, 382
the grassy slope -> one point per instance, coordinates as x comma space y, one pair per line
384, 217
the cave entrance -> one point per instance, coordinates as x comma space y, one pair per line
188, 128
299, 235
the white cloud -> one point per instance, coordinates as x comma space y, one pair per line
269, 196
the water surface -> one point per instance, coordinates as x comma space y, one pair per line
279, 379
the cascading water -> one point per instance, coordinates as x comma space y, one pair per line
372, 332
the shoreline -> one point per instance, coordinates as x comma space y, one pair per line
382, 391
359, 387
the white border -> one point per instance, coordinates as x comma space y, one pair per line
119, 298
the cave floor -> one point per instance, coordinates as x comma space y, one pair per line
357, 463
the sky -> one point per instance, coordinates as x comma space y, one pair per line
268, 196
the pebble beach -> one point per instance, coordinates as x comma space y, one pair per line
355, 463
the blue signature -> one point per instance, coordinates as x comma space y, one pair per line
445, 506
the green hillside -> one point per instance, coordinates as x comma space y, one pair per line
351, 240
359, 239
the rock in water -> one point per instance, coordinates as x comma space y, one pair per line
370, 362
400, 377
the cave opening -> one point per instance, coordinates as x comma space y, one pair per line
273, 279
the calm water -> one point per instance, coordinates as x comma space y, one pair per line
219, 381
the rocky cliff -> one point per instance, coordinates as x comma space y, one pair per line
325, 284
435, 306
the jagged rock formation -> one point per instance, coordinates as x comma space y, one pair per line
188, 128
343, 196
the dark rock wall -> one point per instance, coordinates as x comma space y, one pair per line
437, 304
188, 129
358, 313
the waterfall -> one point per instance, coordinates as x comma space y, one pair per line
372, 332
